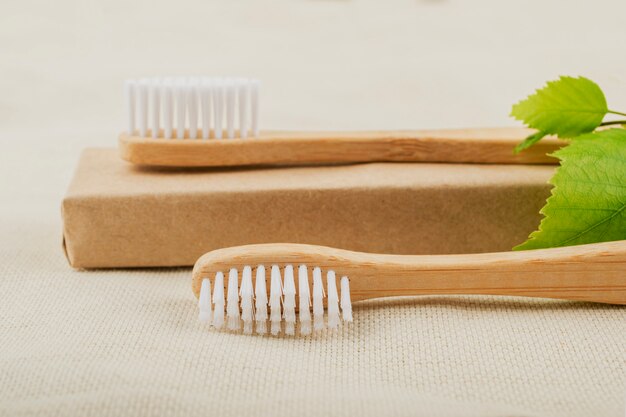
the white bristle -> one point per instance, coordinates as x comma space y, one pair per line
276, 292
199, 104
155, 107
231, 94
167, 97
260, 304
204, 301
254, 104
142, 108
346, 304
304, 311
318, 299
246, 292
193, 95
249, 304
130, 88
218, 109
333, 300
218, 300
181, 108
244, 91
289, 301
205, 103
232, 305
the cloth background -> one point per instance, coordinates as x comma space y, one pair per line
128, 343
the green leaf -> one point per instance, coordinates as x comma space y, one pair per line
588, 201
566, 107
529, 141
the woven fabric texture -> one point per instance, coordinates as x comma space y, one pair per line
127, 342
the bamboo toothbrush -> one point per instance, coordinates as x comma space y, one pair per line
594, 272
213, 122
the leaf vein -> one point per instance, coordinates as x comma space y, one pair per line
590, 228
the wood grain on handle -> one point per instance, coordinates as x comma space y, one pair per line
494, 145
595, 272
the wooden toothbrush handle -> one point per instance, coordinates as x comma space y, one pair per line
594, 272
490, 145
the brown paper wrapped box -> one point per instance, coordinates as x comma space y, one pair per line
119, 215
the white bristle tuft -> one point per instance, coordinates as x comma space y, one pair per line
204, 301
346, 304
289, 301
231, 94
130, 88
244, 302
333, 300
193, 96
276, 292
244, 92
246, 292
318, 299
181, 108
205, 103
304, 300
167, 97
254, 105
218, 109
155, 107
232, 305
199, 104
218, 300
142, 108
260, 305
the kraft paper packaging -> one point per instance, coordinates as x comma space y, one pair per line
119, 215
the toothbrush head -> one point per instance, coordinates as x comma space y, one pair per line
192, 107
277, 288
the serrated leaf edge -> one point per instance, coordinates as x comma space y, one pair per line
533, 236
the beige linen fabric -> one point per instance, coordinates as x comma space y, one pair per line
128, 343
